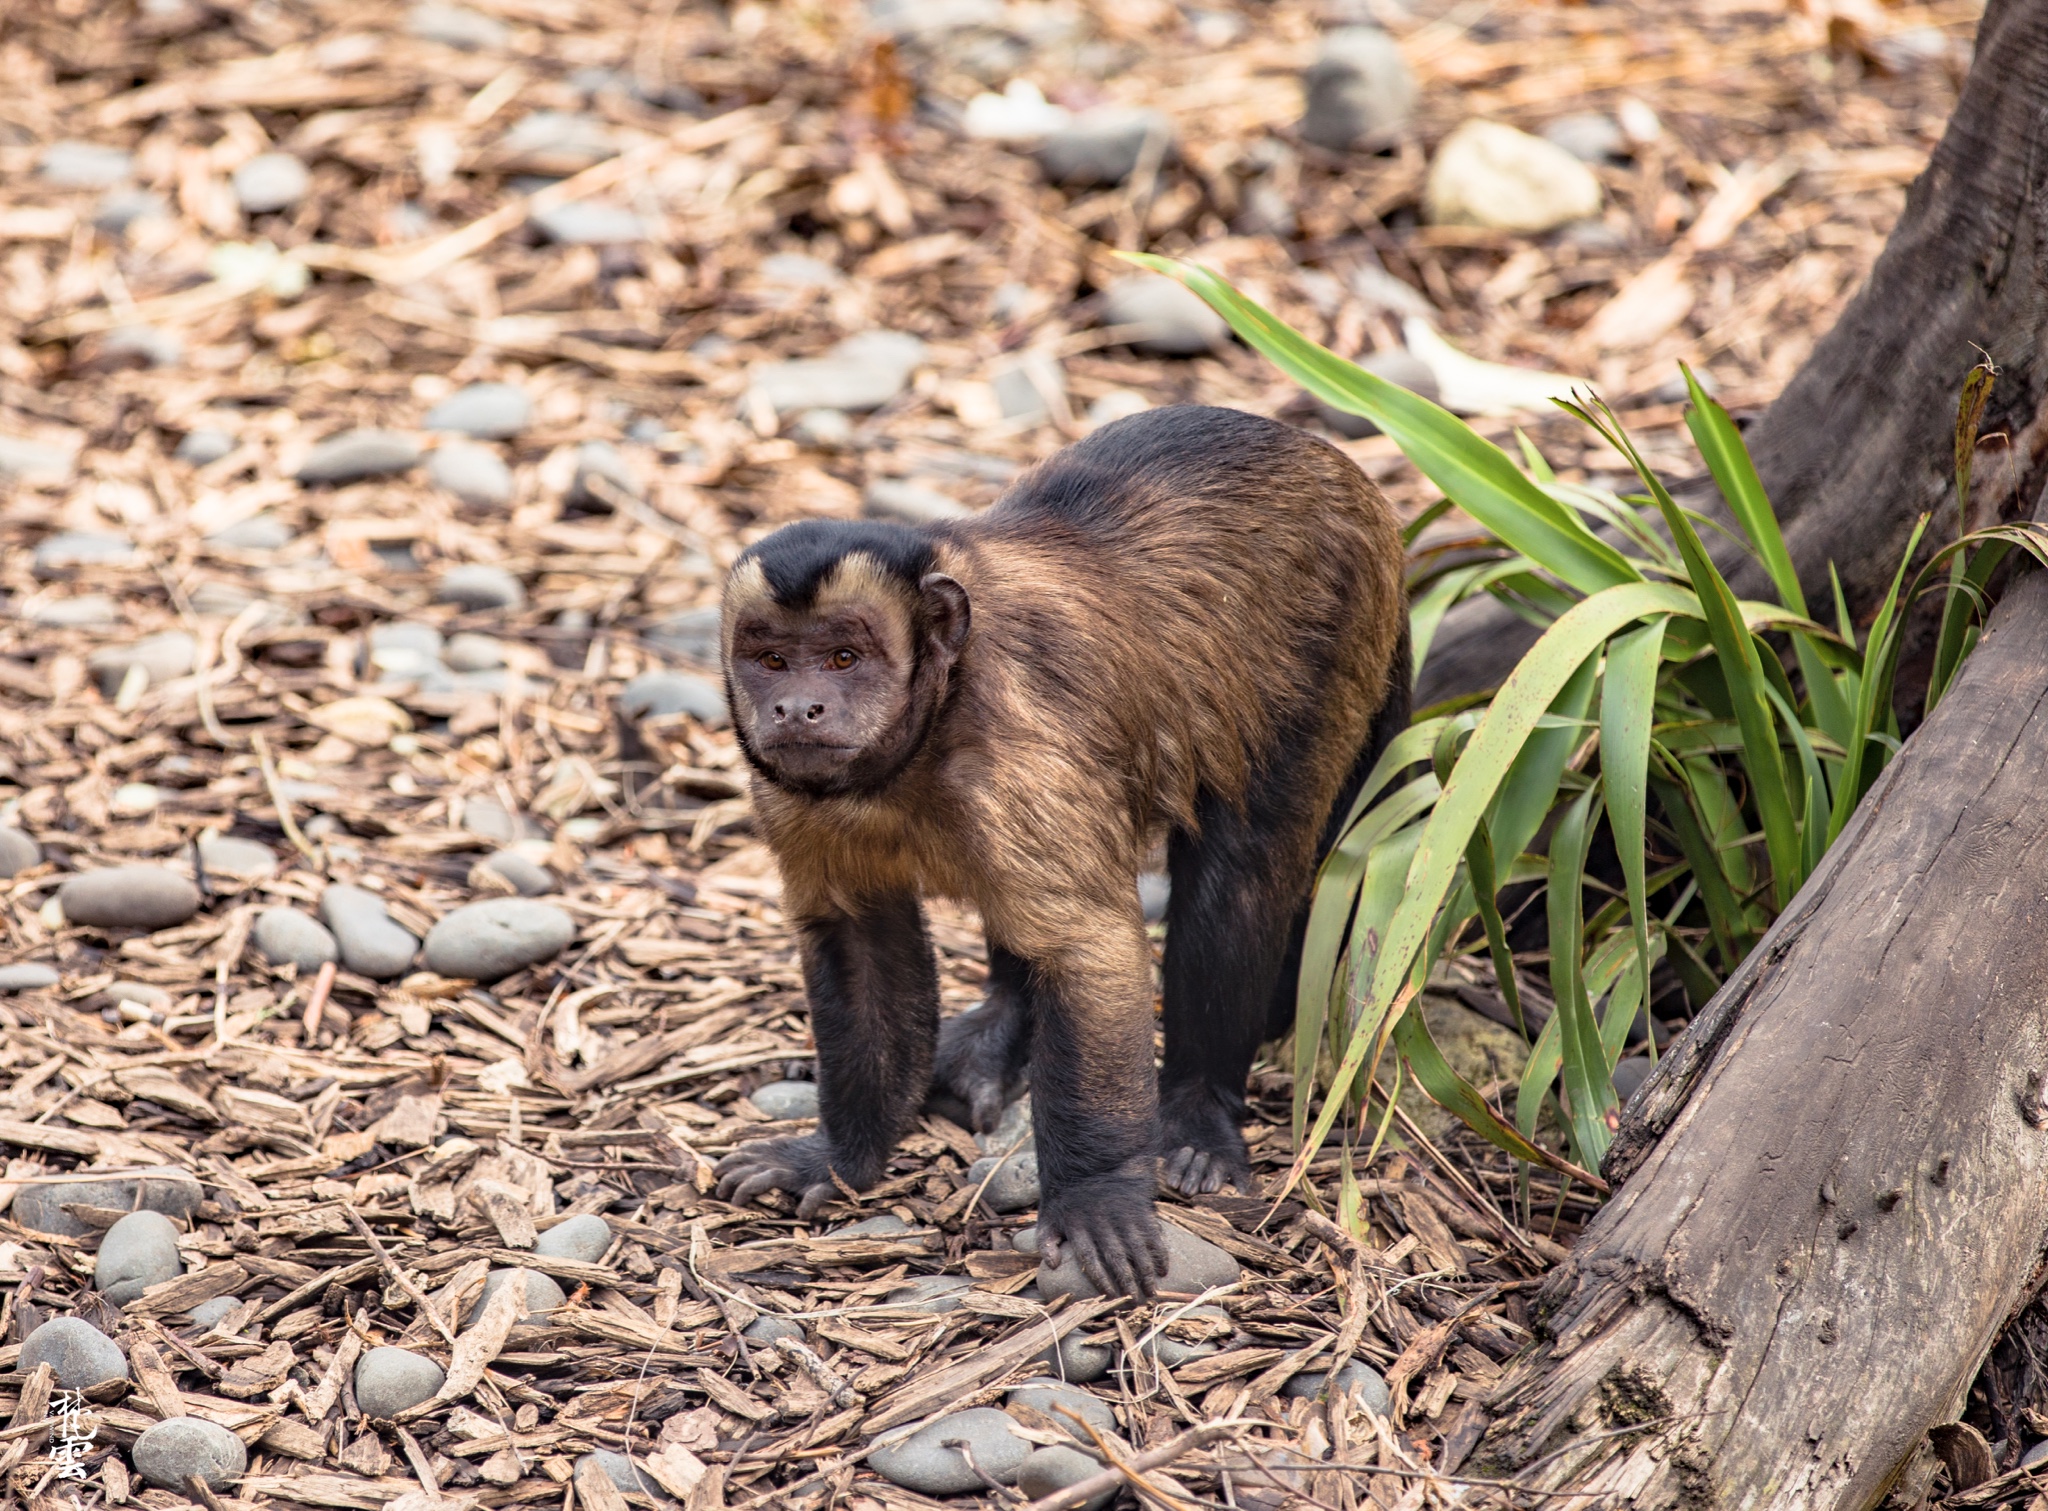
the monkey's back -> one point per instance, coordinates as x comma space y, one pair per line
1194, 588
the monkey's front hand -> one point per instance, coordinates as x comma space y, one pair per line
802, 1166
1109, 1224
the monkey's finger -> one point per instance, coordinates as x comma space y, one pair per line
1049, 1249
814, 1199
1177, 1167
754, 1185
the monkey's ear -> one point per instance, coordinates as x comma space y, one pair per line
946, 602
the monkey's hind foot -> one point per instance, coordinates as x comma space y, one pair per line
978, 1062
801, 1166
1109, 1226
1204, 1150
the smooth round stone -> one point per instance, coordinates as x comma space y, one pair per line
471, 652
1051, 1470
357, 454
691, 635
543, 1295
623, 1473
1397, 365
121, 208
128, 897
1012, 1184
207, 1313
2038, 1454
88, 611
1489, 174
27, 977
767, 1327
1629, 1074
170, 1452
1360, 91
491, 939
564, 136
932, 1294
270, 182
525, 877
794, 270
1013, 1125
286, 936
488, 818
585, 1237
1077, 1360
83, 165
243, 859
1356, 1378
887, 1225
600, 475
861, 373
163, 1189
475, 474
1588, 136
407, 639
264, 532
582, 223
1176, 322
1174, 1352
909, 503
1047, 1395
1117, 404
487, 411
657, 694
202, 446
456, 26
80, 1356
139, 1251
388, 1380
823, 429
1154, 890
18, 852
141, 346
81, 548
371, 943
162, 657
1102, 146
783, 1100
920, 1462
1192, 1266
476, 586
142, 993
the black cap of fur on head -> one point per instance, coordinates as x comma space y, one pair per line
799, 557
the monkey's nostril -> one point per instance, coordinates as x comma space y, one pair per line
815, 712
781, 712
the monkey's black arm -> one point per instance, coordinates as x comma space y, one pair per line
874, 996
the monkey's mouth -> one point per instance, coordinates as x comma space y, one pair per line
800, 758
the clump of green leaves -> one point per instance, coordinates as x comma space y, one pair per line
1655, 702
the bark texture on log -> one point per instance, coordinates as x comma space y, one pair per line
1807, 1270
1860, 443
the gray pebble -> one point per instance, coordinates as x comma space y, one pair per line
476, 586
601, 474
581, 223
1013, 1125
456, 26
1027, 388
207, 1313
824, 429
1588, 136
83, 165
1212, 1322
1175, 320
543, 1295
128, 897
121, 208
783, 1100
1629, 1074
861, 373
1078, 1360
909, 503
371, 943
921, 1462
486, 411
487, 818
1051, 1470
475, 474
586, 1237
526, 878
81, 548
172, 1450
1154, 891
264, 532
286, 936
691, 635
18, 852
1360, 90
139, 1251
658, 694
80, 1356
623, 1473
471, 652
932, 1294
559, 140
243, 859
1357, 1377
767, 1327
1193, 1265
1047, 1395
357, 454
1102, 146
141, 346
2038, 1454
27, 977
403, 642
797, 271
142, 993
1397, 365
1013, 1185
886, 1225
487, 940
162, 1189
388, 1380
88, 611
163, 657
34, 460
270, 182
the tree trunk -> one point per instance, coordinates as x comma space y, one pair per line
1805, 1273
1860, 444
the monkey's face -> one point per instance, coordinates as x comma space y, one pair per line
820, 689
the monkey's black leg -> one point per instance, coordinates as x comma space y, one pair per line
984, 1053
874, 995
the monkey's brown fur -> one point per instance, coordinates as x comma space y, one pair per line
1190, 622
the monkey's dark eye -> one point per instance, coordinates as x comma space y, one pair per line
772, 660
841, 659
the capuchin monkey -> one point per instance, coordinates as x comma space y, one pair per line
1192, 622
